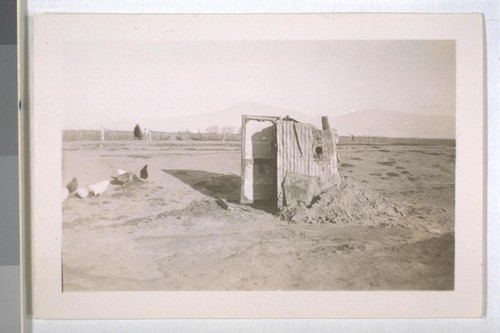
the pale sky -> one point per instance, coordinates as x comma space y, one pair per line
116, 85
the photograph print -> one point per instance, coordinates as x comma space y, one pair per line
258, 165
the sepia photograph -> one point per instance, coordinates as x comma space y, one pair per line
257, 162
258, 165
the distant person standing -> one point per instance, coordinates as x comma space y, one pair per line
137, 132
145, 134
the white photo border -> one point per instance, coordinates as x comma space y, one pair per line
51, 31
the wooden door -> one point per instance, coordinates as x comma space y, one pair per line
258, 160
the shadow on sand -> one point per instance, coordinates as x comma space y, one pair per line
212, 184
216, 185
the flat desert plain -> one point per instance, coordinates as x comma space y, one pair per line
169, 233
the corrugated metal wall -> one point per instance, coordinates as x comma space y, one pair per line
304, 149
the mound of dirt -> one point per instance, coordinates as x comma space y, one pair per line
349, 203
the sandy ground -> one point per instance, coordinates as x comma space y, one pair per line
168, 233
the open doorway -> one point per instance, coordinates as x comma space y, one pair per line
258, 161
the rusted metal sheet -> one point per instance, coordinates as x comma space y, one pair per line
297, 187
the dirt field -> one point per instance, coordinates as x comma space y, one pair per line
168, 233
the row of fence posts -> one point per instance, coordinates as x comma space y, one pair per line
112, 135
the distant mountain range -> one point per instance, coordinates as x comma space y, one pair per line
359, 123
231, 116
394, 124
